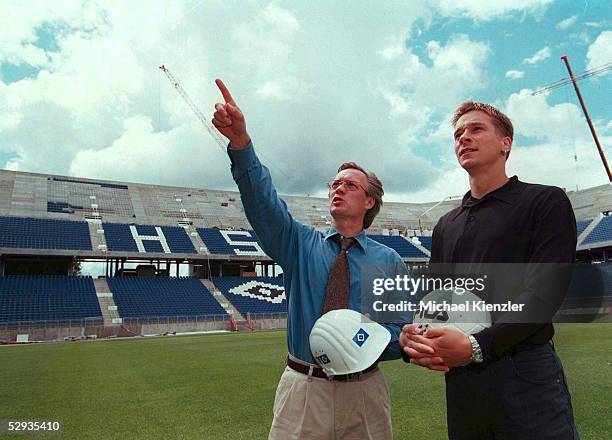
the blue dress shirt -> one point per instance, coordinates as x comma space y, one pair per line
306, 255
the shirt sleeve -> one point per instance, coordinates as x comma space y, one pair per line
547, 278
267, 213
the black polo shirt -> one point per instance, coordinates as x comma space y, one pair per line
520, 224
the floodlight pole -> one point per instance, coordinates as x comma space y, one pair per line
588, 118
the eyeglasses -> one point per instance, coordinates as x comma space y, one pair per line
333, 185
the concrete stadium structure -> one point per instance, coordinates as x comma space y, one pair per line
52, 221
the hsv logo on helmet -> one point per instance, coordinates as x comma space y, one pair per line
360, 337
323, 359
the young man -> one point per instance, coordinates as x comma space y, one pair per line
308, 404
505, 381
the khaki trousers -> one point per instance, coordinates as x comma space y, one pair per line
318, 409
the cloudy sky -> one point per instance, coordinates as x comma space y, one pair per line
320, 83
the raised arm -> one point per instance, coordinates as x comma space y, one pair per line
267, 213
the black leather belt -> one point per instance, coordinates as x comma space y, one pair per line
318, 372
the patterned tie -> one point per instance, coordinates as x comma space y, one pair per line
337, 291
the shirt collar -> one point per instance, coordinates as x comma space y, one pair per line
508, 193
361, 238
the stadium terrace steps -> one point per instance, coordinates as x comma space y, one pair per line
254, 295
107, 303
197, 241
98, 242
581, 226
222, 300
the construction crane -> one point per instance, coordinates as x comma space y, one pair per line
179, 88
574, 80
221, 142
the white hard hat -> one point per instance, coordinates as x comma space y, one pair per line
459, 310
345, 341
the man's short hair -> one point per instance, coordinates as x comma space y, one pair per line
503, 124
374, 190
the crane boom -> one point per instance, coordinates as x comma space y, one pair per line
208, 125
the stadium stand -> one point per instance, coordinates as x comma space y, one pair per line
62, 207
146, 297
425, 242
47, 298
50, 223
225, 242
71, 195
36, 233
163, 239
403, 247
590, 291
254, 294
602, 232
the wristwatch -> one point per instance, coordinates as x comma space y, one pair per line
476, 351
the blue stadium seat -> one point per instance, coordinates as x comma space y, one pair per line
48, 298
35, 233
601, 232
425, 242
119, 238
147, 297
218, 244
400, 244
254, 294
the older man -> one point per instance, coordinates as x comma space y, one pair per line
505, 381
321, 272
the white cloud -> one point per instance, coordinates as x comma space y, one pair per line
327, 84
395, 47
101, 108
554, 164
489, 10
567, 23
458, 64
600, 52
143, 154
515, 74
560, 131
540, 55
20, 22
596, 24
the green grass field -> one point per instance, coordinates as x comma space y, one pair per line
222, 386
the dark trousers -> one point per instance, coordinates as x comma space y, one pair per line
522, 396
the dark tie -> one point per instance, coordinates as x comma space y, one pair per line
337, 291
